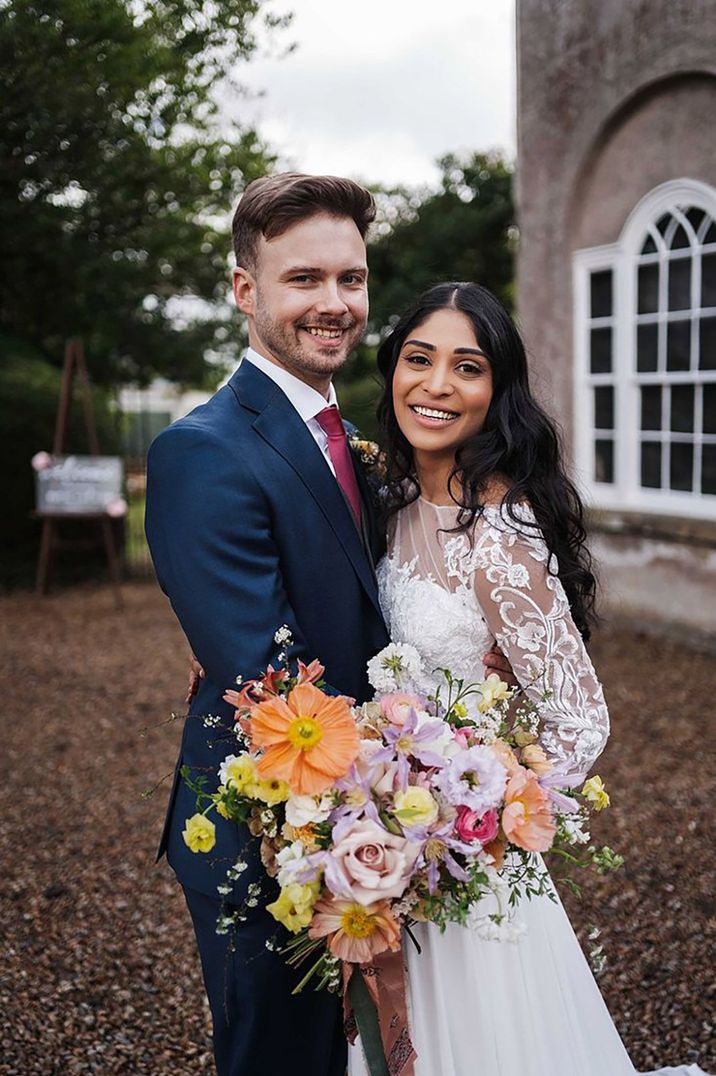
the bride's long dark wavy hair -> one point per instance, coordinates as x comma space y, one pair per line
517, 442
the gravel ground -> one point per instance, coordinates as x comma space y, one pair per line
99, 972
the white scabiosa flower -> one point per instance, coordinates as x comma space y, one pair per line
397, 666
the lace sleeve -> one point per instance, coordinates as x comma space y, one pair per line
527, 611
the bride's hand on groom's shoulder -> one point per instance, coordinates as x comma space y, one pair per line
496, 662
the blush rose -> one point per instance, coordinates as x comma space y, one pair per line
376, 864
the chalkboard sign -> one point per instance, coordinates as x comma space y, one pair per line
78, 485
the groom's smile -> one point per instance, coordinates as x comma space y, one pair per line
307, 298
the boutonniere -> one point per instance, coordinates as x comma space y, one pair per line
369, 453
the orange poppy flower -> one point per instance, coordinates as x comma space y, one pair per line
309, 739
356, 932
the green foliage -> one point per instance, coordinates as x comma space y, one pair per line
116, 182
463, 231
29, 392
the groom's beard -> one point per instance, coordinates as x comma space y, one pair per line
283, 340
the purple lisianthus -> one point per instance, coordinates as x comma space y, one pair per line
474, 778
556, 779
358, 801
437, 849
406, 741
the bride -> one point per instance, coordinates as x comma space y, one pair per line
486, 544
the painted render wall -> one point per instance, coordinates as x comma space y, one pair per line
614, 97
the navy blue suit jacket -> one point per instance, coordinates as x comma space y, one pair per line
249, 530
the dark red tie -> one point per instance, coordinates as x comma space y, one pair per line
330, 420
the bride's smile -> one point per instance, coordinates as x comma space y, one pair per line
442, 386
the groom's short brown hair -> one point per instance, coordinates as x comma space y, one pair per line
271, 205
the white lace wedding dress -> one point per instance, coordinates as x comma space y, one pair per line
481, 1007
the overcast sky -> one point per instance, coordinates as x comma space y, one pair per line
378, 89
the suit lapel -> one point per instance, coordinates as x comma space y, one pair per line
280, 426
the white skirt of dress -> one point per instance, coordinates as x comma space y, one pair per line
497, 1008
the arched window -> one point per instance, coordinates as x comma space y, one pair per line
645, 337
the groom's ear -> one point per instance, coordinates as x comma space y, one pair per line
244, 286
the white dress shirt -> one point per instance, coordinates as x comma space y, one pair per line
307, 401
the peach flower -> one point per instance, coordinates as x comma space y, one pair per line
357, 932
527, 819
309, 739
396, 707
534, 756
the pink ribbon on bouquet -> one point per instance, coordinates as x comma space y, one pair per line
384, 977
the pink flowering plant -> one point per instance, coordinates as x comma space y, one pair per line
408, 808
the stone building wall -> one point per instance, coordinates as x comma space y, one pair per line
614, 98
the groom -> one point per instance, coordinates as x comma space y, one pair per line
259, 515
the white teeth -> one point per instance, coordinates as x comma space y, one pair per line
329, 334
428, 412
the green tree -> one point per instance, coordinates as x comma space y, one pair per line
463, 231
117, 178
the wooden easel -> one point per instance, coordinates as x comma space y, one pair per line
75, 364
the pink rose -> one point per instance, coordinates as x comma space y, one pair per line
473, 827
397, 706
376, 864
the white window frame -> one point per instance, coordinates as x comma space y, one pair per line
626, 493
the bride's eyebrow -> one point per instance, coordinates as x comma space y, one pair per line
421, 343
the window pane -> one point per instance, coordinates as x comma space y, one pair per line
678, 345
708, 469
682, 408
651, 407
695, 217
604, 461
707, 344
647, 354
680, 239
604, 407
663, 222
600, 347
708, 280
680, 284
649, 246
600, 287
651, 465
681, 467
648, 289
710, 236
709, 420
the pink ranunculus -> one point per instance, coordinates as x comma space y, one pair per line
376, 863
41, 461
471, 826
396, 707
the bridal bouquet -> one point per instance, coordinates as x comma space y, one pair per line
407, 808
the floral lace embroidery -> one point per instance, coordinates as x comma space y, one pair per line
504, 586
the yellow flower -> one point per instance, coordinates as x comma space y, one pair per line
415, 807
493, 690
294, 906
200, 833
460, 709
240, 771
220, 805
594, 791
272, 791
